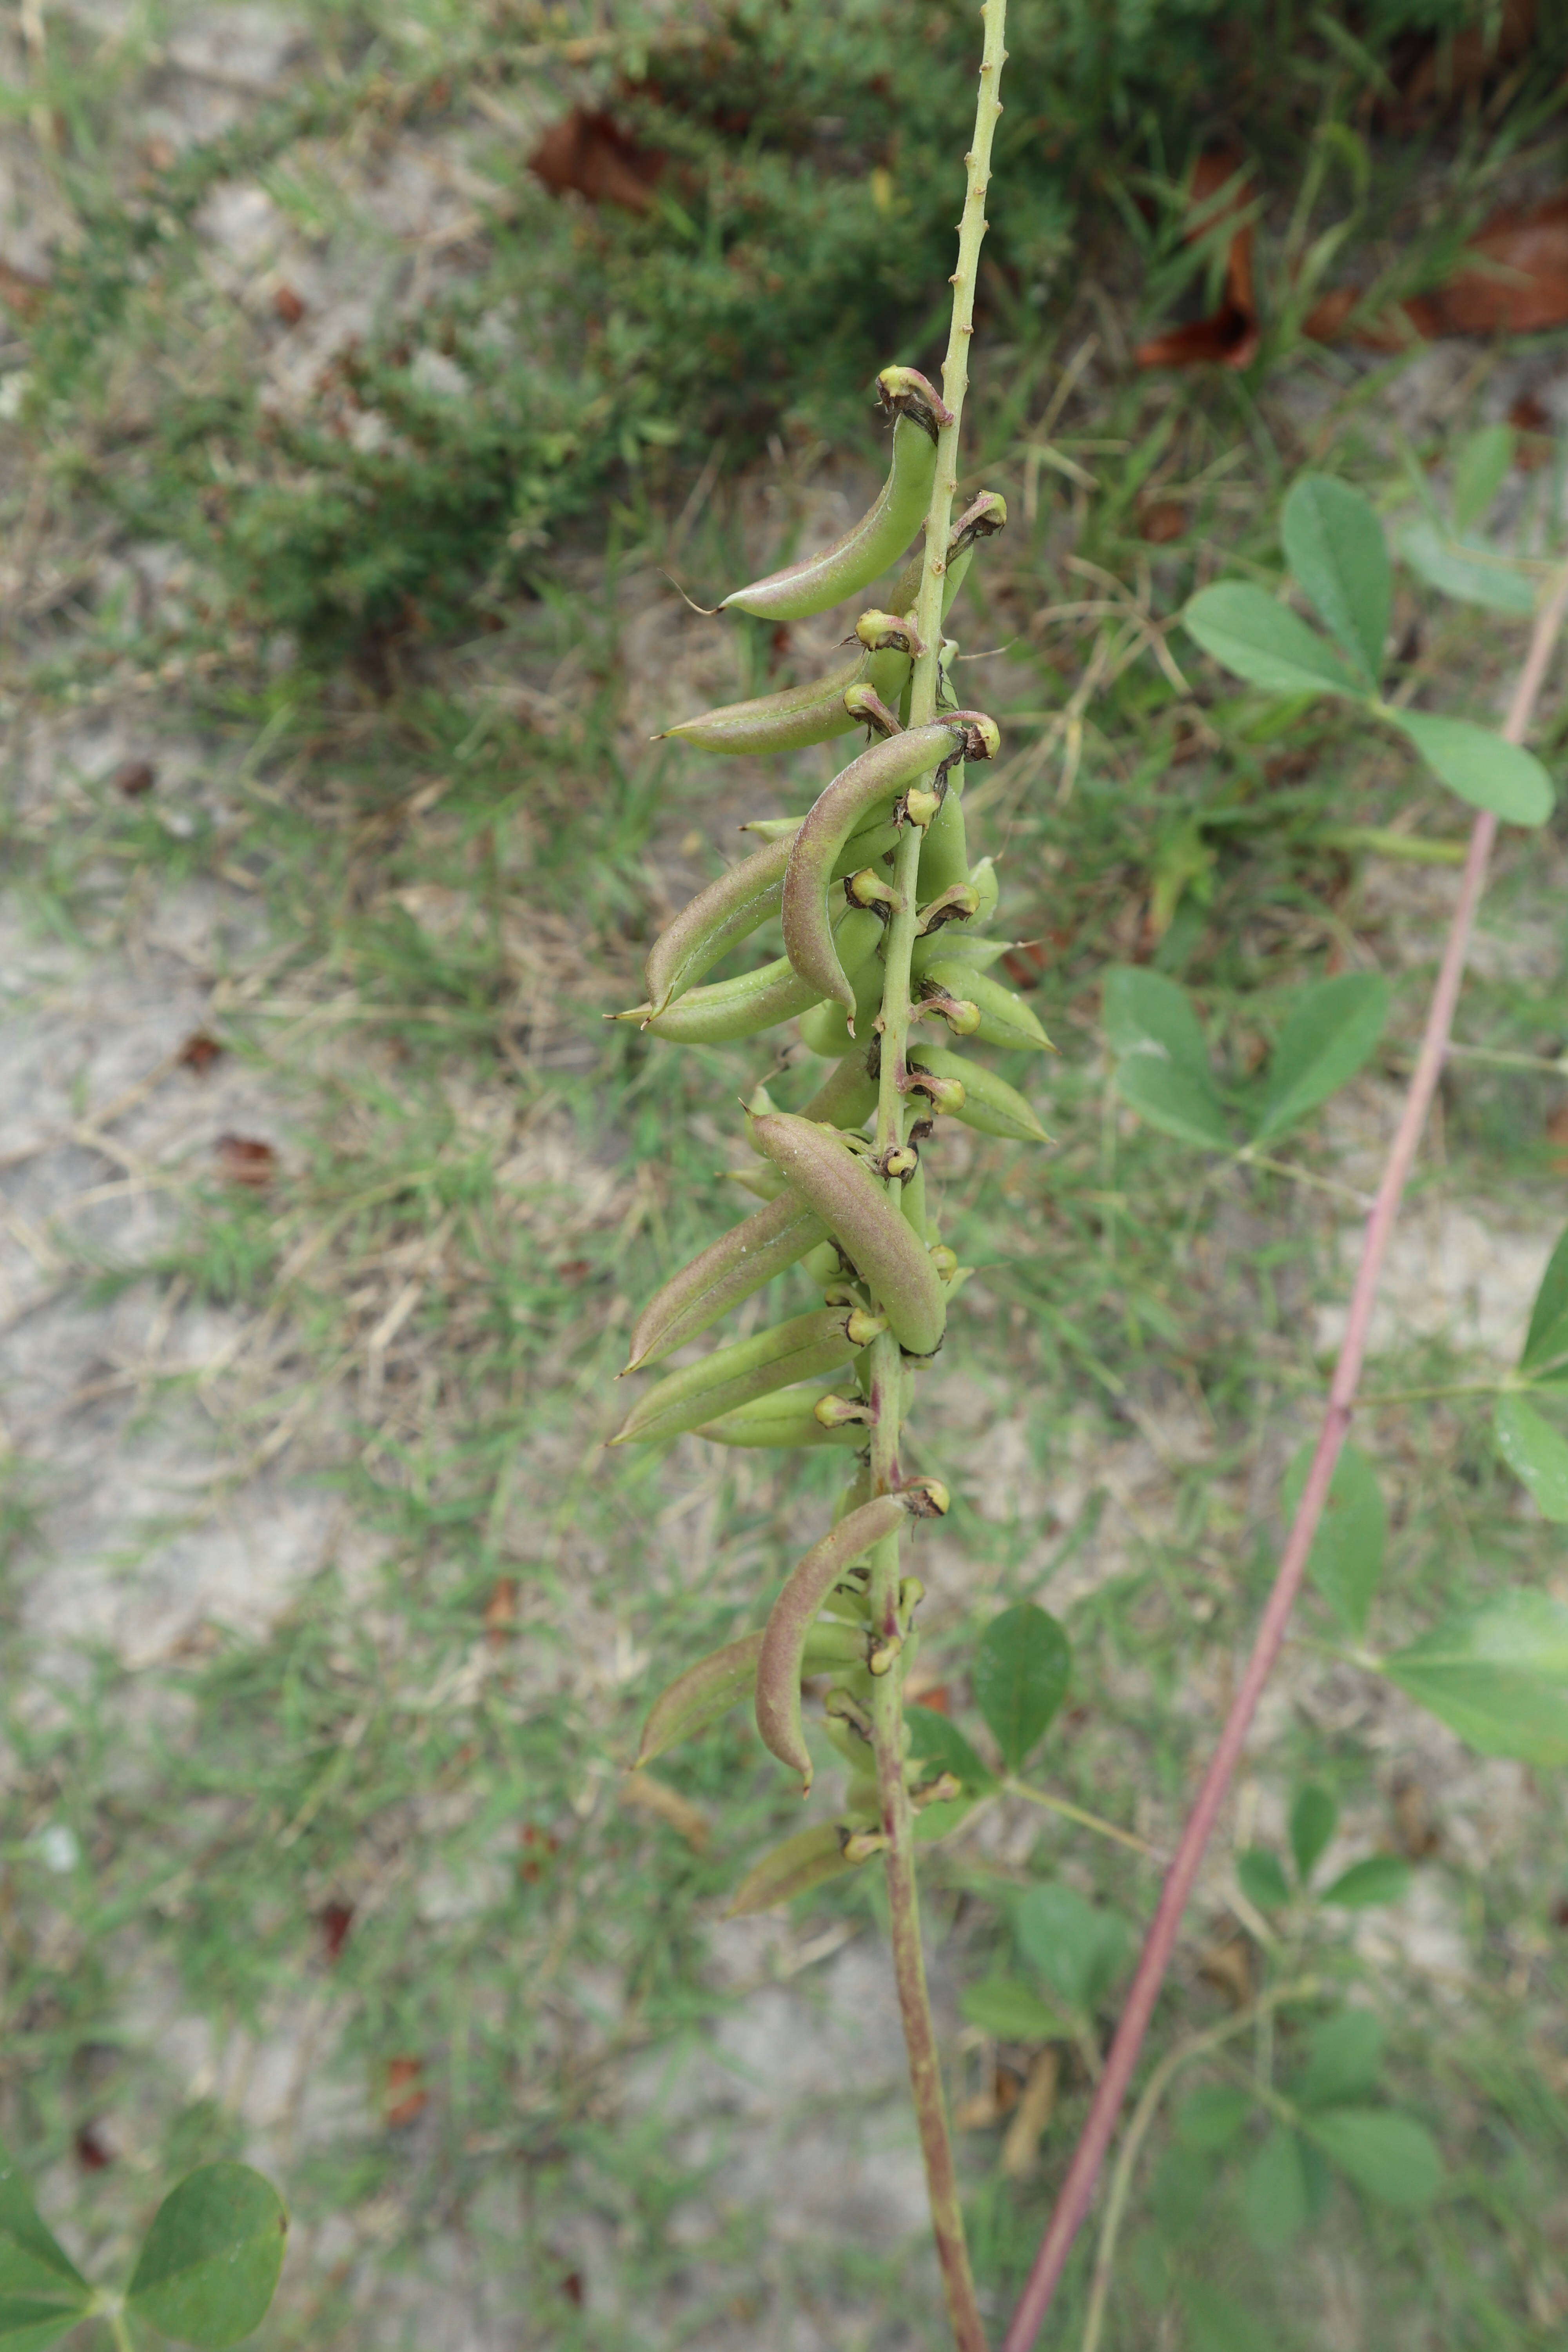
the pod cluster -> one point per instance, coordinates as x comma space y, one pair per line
858, 1221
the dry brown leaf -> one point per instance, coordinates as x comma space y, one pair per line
500, 1610
1513, 281
1162, 521
588, 153
406, 2095
1228, 1968
199, 1052
244, 1159
1228, 339
134, 777
645, 1793
1034, 2112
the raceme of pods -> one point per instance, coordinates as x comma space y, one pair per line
849, 1208
880, 905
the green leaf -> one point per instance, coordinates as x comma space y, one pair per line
1010, 2010
42, 2292
212, 2257
1265, 643
937, 1746
1077, 1948
1314, 1817
1481, 468
1497, 1674
1173, 1100
1547, 1337
1342, 2060
1214, 2323
1336, 547
1141, 1009
1346, 1557
1211, 2118
1536, 1453
1470, 575
1481, 766
1329, 1035
1021, 1675
1389, 2155
1274, 2191
1381, 1878
1262, 1878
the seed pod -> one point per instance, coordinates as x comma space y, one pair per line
723, 1011
857, 1213
961, 1014
959, 903
981, 519
956, 943
794, 1612
879, 774
990, 1105
813, 713
801, 1350
705, 1692
806, 1861
826, 1030
768, 1242
786, 1420
983, 877
851, 562
881, 632
867, 888
1006, 1019
846, 1098
861, 848
865, 706
764, 1182
718, 918
840, 1413
944, 853
945, 1093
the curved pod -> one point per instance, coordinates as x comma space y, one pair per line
728, 911
768, 1242
870, 1226
705, 1692
801, 1350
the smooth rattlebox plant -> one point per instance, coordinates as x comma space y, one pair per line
883, 916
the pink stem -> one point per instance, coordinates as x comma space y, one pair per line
1077, 2189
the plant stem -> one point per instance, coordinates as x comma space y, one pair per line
1143, 2115
887, 1367
1077, 2189
1076, 1813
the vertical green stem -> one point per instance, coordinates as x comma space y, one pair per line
887, 1712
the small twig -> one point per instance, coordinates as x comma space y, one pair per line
1143, 2115
1250, 1159
1071, 1812
1077, 2189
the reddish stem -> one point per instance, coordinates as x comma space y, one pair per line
1077, 2189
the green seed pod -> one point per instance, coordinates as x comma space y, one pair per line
788, 1418
765, 1182
804, 1862
887, 633
780, 1661
956, 943
860, 849
865, 707
986, 890
723, 1010
728, 911
981, 519
801, 1350
813, 713
944, 1093
825, 1028
875, 1236
961, 1014
729, 1270
845, 1099
879, 774
944, 853
1006, 1019
705, 1692
821, 1264
817, 582
990, 1105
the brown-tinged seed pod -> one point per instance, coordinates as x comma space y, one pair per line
899, 1160
879, 774
875, 1235
805, 1861
728, 911
990, 1105
801, 1350
705, 1692
765, 1244
961, 1014
793, 1616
